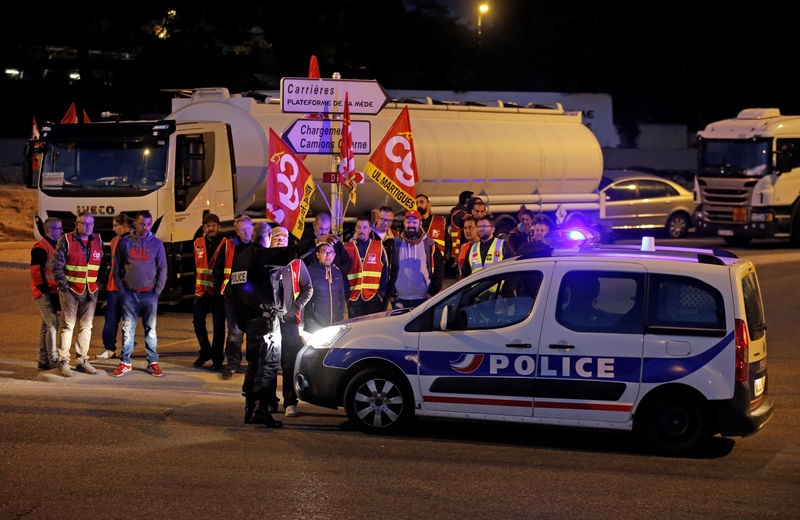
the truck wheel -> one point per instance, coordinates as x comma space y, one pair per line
674, 422
378, 401
737, 241
677, 225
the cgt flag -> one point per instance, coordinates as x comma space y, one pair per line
393, 165
347, 163
289, 187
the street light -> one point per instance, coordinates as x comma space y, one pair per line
482, 9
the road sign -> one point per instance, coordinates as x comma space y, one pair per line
338, 178
324, 136
326, 96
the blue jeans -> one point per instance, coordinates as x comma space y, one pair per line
135, 304
113, 317
48, 344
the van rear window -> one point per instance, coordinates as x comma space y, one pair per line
753, 308
684, 305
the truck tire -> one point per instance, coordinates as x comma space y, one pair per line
379, 401
677, 225
674, 422
737, 241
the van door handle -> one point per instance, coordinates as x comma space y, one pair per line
518, 345
560, 346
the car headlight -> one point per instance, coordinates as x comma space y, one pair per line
325, 338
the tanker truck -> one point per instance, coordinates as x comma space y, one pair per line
747, 183
210, 155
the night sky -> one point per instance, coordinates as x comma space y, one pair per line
671, 62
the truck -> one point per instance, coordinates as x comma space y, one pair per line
210, 154
747, 183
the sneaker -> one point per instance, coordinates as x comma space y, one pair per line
85, 367
291, 411
44, 365
107, 354
64, 368
154, 370
122, 369
228, 372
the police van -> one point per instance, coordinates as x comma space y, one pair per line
669, 342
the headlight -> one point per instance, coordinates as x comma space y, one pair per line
325, 338
761, 217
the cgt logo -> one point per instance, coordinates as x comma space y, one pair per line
96, 210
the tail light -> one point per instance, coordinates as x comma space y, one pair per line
742, 351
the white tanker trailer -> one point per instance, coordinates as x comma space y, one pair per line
210, 154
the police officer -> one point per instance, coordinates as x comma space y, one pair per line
256, 295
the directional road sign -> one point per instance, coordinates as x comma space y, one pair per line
326, 96
324, 136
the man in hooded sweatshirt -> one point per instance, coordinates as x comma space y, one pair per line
417, 265
140, 274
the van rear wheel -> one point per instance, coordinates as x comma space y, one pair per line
378, 401
675, 422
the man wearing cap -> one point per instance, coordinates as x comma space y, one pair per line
206, 297
369, 275
416, 266
297, 291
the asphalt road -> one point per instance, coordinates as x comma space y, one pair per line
175, 447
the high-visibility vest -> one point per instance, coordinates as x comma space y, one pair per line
437, 230
365, 274
36, 271
111, 285
462, 257
294, 267
455, 235
230, 248
494, 255
80, 274
203, 281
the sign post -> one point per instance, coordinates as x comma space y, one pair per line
326, 96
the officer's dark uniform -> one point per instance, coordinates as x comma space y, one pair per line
255, 286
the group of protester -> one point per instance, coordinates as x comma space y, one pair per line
261, 290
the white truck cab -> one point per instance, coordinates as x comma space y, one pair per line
670, 342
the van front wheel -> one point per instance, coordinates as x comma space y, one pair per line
378, 401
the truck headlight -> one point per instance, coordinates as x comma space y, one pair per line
325, 338
761, 217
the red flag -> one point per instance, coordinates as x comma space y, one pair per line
71, 117
35, 130
289, 186
393, 164
347, 163
313, 68
85, 117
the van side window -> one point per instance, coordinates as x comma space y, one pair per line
684, 305
601, 301
491, 303
753, 308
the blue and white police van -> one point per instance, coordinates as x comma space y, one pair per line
670, 342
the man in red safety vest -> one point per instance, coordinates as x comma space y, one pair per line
369, 274
45, 291
206, 297
79, 257
435, 226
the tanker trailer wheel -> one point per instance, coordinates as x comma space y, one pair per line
379, 401
678, 225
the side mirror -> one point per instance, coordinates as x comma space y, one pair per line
443, 318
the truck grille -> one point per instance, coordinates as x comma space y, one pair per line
720, 196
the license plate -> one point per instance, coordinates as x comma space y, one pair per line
725, 232
758, 385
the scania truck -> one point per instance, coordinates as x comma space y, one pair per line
747, 183
210, 155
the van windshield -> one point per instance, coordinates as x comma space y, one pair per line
753, 308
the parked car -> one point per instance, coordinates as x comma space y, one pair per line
636, 200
